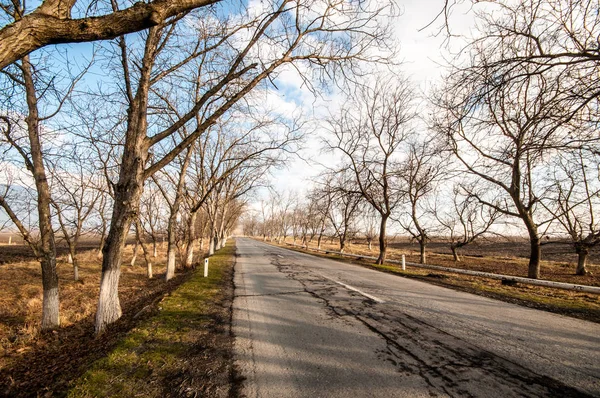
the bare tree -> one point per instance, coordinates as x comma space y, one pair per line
527, 92
574, 199
74, 198
31, 97
368, 132
320, 206
286, 201
153, 215
339, 190
465, 219
369, 226
421, 170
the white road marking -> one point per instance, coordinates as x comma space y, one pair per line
376, 299
279, 255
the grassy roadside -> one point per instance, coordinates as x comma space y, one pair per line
574, 304
183, 349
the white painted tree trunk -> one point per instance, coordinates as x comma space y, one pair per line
135, 252
109, 308
170, 264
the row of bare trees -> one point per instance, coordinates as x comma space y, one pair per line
511, 136
177, 108
521, 114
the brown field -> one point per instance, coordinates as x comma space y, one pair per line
34, 359
19, 251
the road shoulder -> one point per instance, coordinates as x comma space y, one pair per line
183, 349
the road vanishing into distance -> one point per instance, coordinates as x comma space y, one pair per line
312, 327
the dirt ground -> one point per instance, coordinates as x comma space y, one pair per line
505, 248
34, 363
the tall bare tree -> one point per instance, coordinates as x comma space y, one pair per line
32, 95
368, 132
421, 171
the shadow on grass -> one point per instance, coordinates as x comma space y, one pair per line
49, 365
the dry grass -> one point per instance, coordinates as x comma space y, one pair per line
21, 298
45, 364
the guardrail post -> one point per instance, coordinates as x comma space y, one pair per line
403, 263
205, 267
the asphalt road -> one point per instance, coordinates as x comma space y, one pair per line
312, 327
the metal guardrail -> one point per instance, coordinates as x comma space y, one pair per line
509, 278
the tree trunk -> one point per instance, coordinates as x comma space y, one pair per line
154, 248
189, 254
455, 253
102, 240
127, 195
149, 269
126, 205
342, 244
582, 255
382, 239
75, 262
46, 246
171, 247
422, 247
211, 245
319, 241
534, 258
142, 242
215, 243
50, 303
370, 241
191, 239
134, 253
147, 259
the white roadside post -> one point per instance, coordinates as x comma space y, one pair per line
205, 267
10, 240
403, 263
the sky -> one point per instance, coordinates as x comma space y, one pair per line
422, 52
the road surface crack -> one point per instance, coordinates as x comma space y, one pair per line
447, 364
